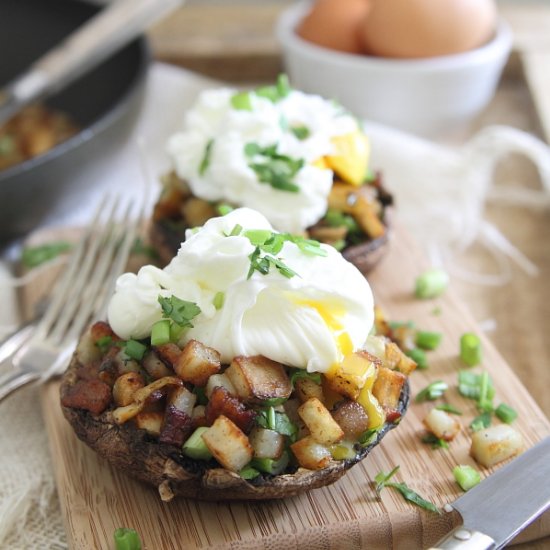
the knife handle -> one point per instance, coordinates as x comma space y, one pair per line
462, 538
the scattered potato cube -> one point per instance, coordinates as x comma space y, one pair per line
306, 388
495, 444
387, 387
228, 444
125, 386
155, 367
267, 443
258, 378
197, 363
318, 419
348, 377
151, 422
219, 380
181, 398
311, 454
442, 424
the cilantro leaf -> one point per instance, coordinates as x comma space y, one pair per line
179, 311
300, 374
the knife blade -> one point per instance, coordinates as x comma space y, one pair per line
503, 504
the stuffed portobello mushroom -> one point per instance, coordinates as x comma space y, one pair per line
245, 369
300, 160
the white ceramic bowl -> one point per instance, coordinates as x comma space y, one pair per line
424, 96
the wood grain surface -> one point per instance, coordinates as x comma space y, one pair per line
95, 499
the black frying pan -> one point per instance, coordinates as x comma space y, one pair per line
102, 102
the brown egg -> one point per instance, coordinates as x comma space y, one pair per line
335, 24
427, 28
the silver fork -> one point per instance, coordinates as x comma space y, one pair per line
80, 295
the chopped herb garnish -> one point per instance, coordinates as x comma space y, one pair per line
485, 399
480, 422
205, 162
432, 391
180, 311
435, 442
104, 343
506, 413
277, 421
273, 168
127, 539
223, 209
277, 92
37, 255
469, 385
466, 476
383, 480
134, 349
200, 392
431, 283
418, 356
248, 472
470, 349
300, 374
241, 101
334, 218
428, 340
262, 264
139, 247
219, 299
368, 436
447, 407
236, 231
436, 311
301, 132
160, 332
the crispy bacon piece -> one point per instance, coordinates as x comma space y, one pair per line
91, 395
168, 354
176, 427
223, 403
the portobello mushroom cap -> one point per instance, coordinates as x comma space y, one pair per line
141, 456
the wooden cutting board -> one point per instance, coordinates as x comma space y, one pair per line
95, 499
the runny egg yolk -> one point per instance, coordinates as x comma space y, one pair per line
330, 315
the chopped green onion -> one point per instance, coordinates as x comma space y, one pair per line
104, 343
382, 481
258, 237
506, 413
38, 255
224, 209
335, 218
175, 332
339, 245
205, 162
279, 422
431, 283
447, 407
277, 92
469, 385
241, 101
418, 356
270, 465
437, 311
236, 231
428, 340
466, 476
432, 391
470, 349
368, 436
127, 539
481, 422
435, 442
485, 403
134, 349
301, 132
160, 333
218, 300
248, 472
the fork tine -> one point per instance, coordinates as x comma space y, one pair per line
59, 293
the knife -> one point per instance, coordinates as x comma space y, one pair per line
503, 504
113, 27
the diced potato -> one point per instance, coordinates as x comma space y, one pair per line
258, 378
387, 387
342, 197
181, 398
198, 416
155, 367
495, 444
228, 444
310, 454
365, 214
331, 397
352, 418
307, 388
151, 422
125, 386
348, 377
266, 443
318, 419
442, 424
219, 380
197, 211
395, 359
197, 363
87, 350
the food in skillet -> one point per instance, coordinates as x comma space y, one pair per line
32, 132
242, 370
300, 160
